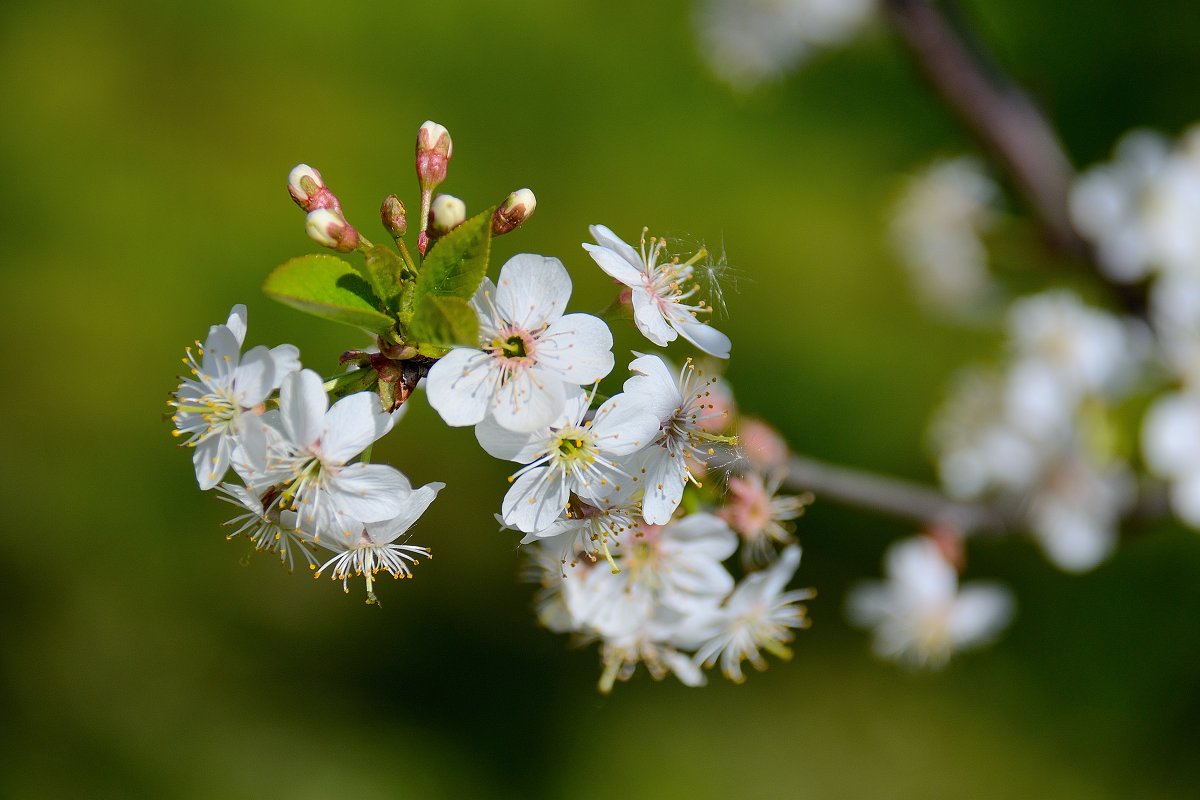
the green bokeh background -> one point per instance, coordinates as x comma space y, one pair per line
143, 149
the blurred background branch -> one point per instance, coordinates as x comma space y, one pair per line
893, 497
996, 111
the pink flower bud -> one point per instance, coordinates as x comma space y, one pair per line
762, 444
433, 154
330, 229
394, 218
446, 214
515, 209
308, 189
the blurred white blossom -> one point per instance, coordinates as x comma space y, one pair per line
1170, 434
747, 42
937, 227
1040, 434
1140, 209
920, 615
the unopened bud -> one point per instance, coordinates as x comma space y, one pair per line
393, 216
446, 214
330, 229
433, 154
308, 189
515, 209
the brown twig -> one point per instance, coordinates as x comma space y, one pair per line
996, 112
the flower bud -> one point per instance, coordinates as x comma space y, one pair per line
308, 189
515, 209
394, 218
330, 229
446, 214
433, 154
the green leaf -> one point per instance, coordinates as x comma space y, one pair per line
444, 321
456, 264
329, 288
382, 272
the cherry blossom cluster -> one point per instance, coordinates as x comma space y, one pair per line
1050, 433
599, 490
301, 490
1140, 212
651, 581
1041, 429
631, 505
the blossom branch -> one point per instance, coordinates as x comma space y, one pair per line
995, 110
893, 497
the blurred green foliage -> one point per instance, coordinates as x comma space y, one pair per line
143, 151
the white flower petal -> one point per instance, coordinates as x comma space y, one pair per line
254, 378
649, 319
500, 442
535, 500
415, 505
688, 672
606, 238
623, 426
663, 481
302, 406
654, 386
211, 460
237, 323
369, 492
981, 611
706, 337
530, 400
577, 348
705, 536
615, 266
287, 359
460, 386
532, 290
221, 353
350, 425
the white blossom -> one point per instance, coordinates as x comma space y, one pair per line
226, 385
937, 226
654, 604
529, 352
573, 454
589, 528
1075, 508
1170, 433
1026, 439
309, 456
980, 447
681, 403
262, 521
1140, 209
759, 615
681, 562
747, 42
660, 291
920, 614
375, 548
1084, 349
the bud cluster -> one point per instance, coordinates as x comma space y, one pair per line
325, 224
